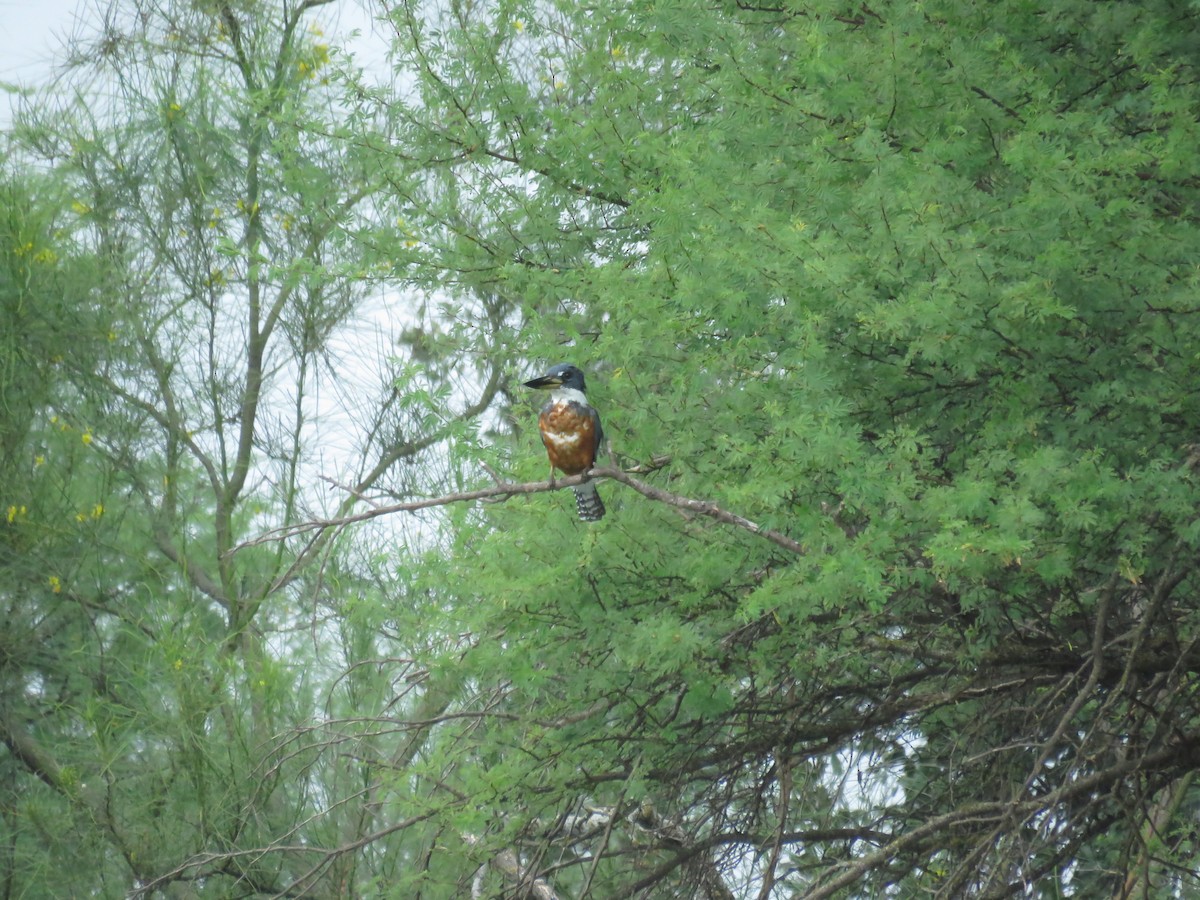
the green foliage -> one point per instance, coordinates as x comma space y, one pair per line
911, 286
175, 290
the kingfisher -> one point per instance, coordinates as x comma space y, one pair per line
572, 434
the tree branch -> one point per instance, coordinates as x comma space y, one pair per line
403, 450
1179, 757
701, 507
504, 490
30, 753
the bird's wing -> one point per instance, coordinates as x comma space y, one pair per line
599, 431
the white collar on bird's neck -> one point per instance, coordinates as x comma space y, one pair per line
568, 395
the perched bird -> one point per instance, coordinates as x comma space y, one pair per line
571, 432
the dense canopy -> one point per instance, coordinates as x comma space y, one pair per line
891, 313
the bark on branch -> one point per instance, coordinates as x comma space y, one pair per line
505, 490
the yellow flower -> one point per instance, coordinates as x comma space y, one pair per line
55, 584
86, 437
39, 460
178, 664
97, 510
12, 514
518, 25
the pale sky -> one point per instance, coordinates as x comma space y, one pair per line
31, 37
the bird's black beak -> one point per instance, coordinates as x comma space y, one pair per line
545, 382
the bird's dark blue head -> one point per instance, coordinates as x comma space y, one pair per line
563, 375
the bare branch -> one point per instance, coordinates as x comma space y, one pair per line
702, 507
504, 490
1179, 756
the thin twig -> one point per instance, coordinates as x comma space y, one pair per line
702, 507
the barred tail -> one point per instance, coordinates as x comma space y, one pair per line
587, 501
